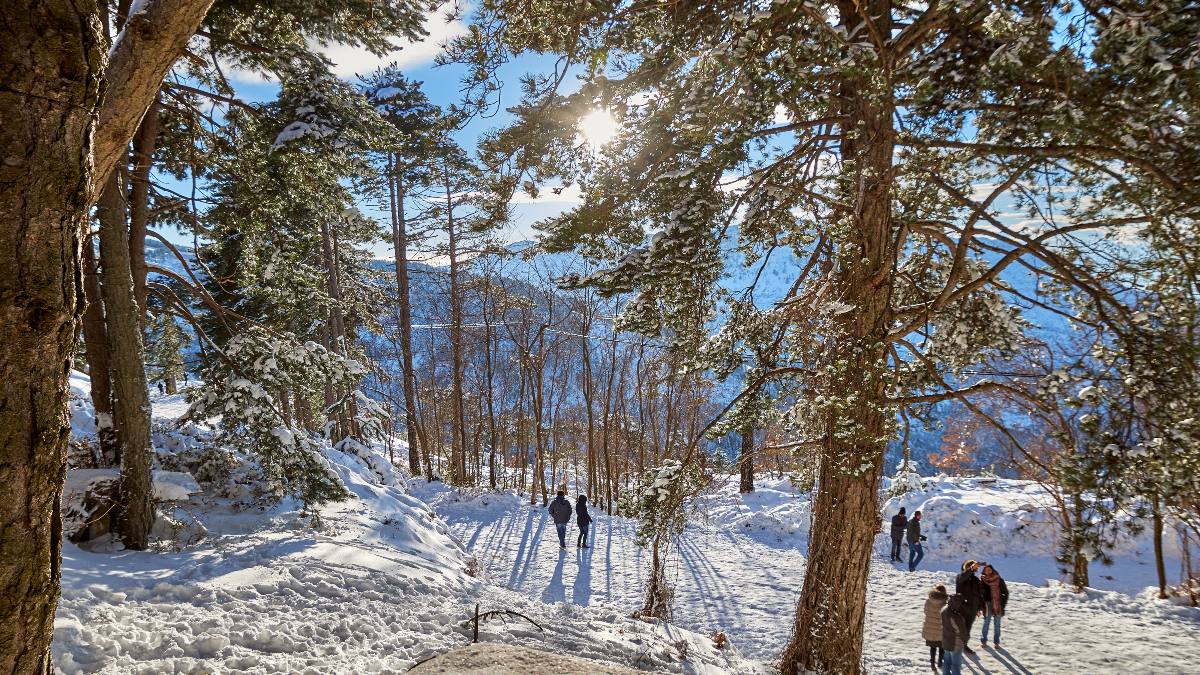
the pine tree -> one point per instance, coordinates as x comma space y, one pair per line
166, 351
875, 143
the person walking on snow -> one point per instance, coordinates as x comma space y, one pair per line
560, 511
931, 629
995, 599
899, 524
583, 520
915, 550
954, 635
969, 587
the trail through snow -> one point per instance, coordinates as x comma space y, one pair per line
745, 582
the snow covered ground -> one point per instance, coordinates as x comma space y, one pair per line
741, 572
378, 587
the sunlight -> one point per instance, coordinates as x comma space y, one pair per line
598, 128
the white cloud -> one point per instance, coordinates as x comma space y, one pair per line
546, 195
349, 61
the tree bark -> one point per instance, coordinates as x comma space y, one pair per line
131, 403
828, 632
95, 339
458, 442
746, 460
145, 49
144, 144
1159, 566
51, 56
416, 436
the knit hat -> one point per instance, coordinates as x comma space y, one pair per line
901, 510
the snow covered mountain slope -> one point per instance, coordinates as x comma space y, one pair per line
381, 585
740, 571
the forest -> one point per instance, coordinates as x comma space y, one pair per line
628, 250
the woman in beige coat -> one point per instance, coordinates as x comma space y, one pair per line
931, 629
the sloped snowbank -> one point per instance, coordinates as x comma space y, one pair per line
378, 587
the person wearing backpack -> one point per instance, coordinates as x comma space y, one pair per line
954, 634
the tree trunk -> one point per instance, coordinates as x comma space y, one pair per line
131, 403
1079, 562
51, 54
1159, 566
828, 631
416, 437
144, 144
95, 339
746, 460
458, 441
336, 329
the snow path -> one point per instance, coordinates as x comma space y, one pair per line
746, 583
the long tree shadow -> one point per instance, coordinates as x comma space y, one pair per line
581, 591
556, 591
525, 550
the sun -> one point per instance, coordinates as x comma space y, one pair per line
598, 128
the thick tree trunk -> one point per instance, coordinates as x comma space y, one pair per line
746, 460
51, 55
828, 631
131, 403
336, 329
95, 339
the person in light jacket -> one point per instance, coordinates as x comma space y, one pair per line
560, 511
931, 629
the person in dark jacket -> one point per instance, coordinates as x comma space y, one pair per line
968, 586
995, 600
583, 520
560, 511
915, 551
954, 634
899, 524
931, 629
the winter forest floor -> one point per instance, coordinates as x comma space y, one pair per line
744, 582
390, 576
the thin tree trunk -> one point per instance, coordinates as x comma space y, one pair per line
458, 443
1159, 566
746, 460
416, 436
51, 53
131, 403
95, 339
828, 631
144, 144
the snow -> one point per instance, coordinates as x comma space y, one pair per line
389, 577
740, 571
380, 585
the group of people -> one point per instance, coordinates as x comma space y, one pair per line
948, 618
905, 528
560, 511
